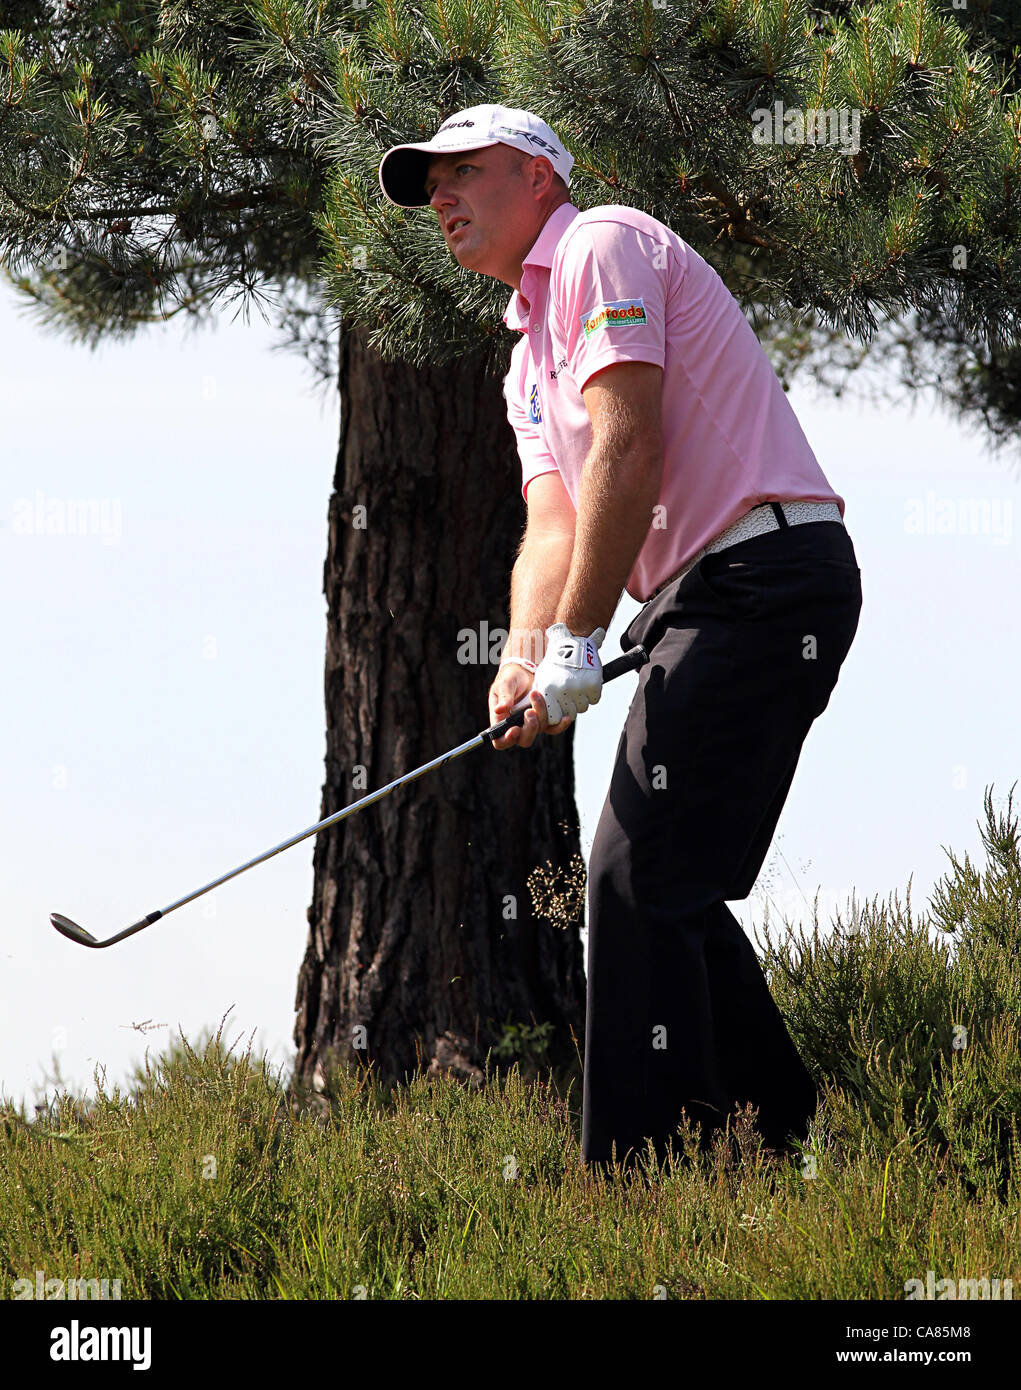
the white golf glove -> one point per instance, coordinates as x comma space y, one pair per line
570, 676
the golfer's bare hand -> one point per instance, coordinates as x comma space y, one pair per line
511, 685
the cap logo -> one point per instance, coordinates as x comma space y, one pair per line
455, 125
527, 135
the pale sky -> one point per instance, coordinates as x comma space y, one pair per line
163, 699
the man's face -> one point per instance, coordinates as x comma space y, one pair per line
488, 216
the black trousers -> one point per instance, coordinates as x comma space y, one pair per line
744, 651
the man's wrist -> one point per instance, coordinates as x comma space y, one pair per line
518, 661
559, 633
580, 626
524, 643
579, 622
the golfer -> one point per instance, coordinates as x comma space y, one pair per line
659, 455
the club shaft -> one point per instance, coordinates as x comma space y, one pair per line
330, 820
630, 661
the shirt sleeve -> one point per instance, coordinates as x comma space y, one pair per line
609, 296
532, 448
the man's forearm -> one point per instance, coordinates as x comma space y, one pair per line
537, 584
615, 505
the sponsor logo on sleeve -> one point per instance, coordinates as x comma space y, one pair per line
617, 313
534, 408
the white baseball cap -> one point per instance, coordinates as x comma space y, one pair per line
402, 170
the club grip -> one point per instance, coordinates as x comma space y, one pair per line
631, 661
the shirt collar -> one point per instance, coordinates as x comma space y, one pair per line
541, 256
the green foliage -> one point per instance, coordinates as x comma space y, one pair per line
919, 1021
144, 172
117, 1185
130, 204
523, 1042
812, 229
441, 1190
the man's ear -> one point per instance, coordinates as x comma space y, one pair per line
542, 173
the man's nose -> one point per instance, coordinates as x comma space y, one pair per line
441, 197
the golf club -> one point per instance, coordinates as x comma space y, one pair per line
630, 661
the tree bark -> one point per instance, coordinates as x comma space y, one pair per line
424, 941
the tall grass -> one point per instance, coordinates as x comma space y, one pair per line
209, 1177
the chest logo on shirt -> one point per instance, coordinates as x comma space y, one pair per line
616, 313
534, 408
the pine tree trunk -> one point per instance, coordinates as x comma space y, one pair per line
424, 941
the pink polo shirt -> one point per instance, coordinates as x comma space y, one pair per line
615, 285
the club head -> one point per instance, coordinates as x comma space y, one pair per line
72, 930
